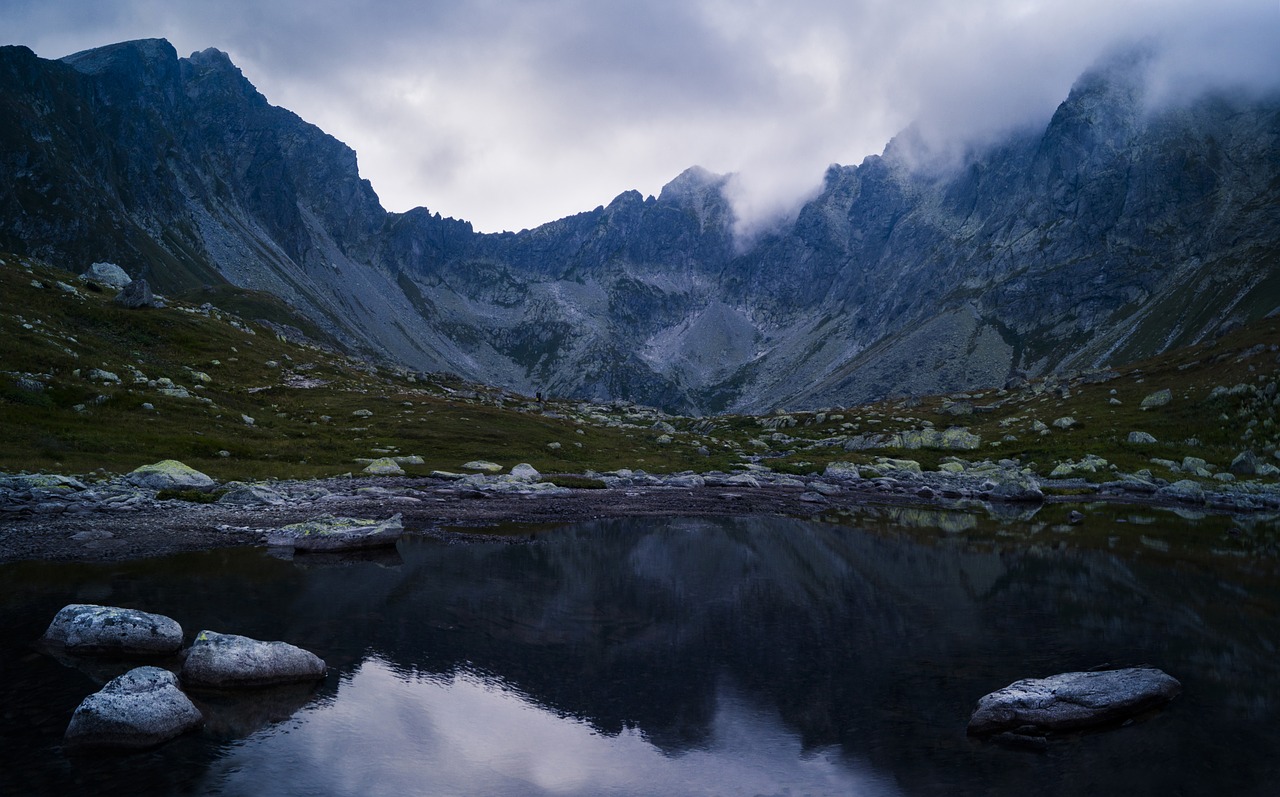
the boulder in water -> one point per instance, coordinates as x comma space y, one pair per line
142, 708
1073, 700
87, 629
228, 661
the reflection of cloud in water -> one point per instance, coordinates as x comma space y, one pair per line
386, 734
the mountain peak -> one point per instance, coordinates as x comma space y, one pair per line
213, 58
140, 52
694, 181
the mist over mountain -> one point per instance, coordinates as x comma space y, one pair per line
1122, 228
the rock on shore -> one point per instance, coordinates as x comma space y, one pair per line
170, 474
328, 533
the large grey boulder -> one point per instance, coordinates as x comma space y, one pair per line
108, 274
842, 470
241, 494
142, 708
136, 295
1011, 485
1245, 464
228, 661
1184, 490
87, 629
525, 472
384, 466
170, 474
1073, 700
329, 533
1157, 399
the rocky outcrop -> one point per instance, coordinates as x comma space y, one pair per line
136, 295
384, 466
330, 533
227, 661
170, 474
140, 709
1073, 700
88, 629
108, 274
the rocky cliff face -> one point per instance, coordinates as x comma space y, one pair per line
1115, 232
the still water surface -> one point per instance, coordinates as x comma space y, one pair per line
672, 657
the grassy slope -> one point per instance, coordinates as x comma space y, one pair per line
290, 437
311, 431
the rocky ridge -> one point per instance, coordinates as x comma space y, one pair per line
1118, 231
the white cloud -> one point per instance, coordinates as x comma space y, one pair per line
510, 115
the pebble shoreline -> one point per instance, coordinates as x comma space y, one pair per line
62, 518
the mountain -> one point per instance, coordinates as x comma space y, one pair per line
1116, 231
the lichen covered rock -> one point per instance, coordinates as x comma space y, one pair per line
228, 661
88, 629
1157, 399
140, 709
384, 466
170, 474
329, 533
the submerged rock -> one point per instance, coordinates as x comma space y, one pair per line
142, 708
1073, 700
87, 629
329, 533
170, 474
228, 661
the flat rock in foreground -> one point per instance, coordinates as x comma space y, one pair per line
1073, 700
329, 533
86, 629
227, 661
140, 709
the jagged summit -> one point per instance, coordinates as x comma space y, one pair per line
694, 181
140, 52
1113, 232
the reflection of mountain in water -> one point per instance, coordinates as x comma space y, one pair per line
877, 644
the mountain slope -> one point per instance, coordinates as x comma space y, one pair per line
1118, 231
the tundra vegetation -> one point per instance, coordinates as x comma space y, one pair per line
91, 388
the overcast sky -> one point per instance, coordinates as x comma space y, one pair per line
510, 114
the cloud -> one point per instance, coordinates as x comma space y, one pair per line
511, 115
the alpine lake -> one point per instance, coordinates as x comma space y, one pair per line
836, 655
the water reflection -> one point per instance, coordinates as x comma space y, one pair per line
734, 656
388, 731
